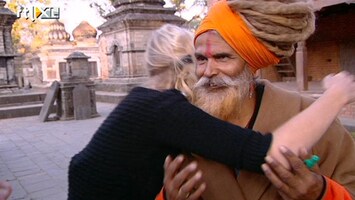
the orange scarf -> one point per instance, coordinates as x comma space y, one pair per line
234, 31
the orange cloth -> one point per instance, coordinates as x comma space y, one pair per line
335, 191
160, 196
234, 31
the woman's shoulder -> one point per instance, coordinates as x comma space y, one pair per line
151, 93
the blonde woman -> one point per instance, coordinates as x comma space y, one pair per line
124, 159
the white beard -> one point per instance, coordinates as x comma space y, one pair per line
223, 96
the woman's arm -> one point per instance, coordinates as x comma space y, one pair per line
306, 128
191, 130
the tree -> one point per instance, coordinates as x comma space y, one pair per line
102, 7
28, 35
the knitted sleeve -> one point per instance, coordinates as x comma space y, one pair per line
191, 130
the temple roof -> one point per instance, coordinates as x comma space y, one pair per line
7, 17
84, 31
57, 32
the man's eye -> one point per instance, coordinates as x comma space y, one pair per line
222, 58
201, 60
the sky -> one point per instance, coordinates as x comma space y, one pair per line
75, 11
72, 12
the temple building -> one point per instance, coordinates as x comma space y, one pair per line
7, 53
125, 35
48, 64
330, 49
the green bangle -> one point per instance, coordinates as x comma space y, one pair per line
310, 163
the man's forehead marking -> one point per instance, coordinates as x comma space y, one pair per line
208, 52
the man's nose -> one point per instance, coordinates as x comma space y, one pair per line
210, 69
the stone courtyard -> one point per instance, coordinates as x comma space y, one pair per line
34, 156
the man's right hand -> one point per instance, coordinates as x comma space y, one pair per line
182, 183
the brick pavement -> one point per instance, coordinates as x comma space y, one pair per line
34, 156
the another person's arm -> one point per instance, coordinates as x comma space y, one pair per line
5, 190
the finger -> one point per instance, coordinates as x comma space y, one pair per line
274, 179
188, 187
304, 154
297, 164
198, 192
284, 174
184, 174
316, 169
171, 167
284, 196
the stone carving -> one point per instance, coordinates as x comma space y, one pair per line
49, 101
7, 54
81, 101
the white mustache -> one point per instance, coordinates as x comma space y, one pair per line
218, 81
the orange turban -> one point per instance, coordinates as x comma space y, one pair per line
234, 31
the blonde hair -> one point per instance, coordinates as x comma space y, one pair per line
169, 59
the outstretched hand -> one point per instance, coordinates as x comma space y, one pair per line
342, 85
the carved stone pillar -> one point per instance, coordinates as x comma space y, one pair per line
7, 68
8, 40
301, 64
66, 102
77, 74
2, 41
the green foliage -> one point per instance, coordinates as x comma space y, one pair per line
26, 34
353, 134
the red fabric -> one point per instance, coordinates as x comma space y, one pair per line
335, 191
160, 196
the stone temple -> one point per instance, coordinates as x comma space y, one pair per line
48, 63
124, 38
7, 53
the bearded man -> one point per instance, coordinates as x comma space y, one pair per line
234, 40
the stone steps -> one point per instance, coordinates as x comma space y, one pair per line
18, 99
113, 91
109, 97
21, 105
29, 103
20, 111
114, 87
